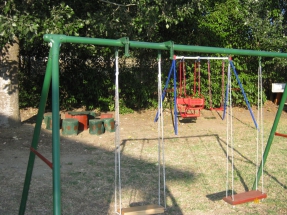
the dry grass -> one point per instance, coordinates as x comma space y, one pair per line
195, 168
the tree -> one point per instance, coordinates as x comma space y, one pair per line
23, 24
247, 24
9, 93
267, 21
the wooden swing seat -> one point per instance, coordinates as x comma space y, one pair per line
142, 210
189, 107
241, 198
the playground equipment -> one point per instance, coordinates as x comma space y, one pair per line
253, 195
52, 75
187, 105
147, 209
191, 106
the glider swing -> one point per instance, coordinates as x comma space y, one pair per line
146, 209
187, 106
190, 106
253, 195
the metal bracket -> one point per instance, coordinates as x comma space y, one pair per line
125, 41
170, 46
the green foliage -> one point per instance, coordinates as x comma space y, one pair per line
225, 26
87, 71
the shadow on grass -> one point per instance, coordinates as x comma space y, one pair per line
219, 196
87, 179
88, 183
223, 144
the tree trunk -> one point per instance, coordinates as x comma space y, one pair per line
9, 94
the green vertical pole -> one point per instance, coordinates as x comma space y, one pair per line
271, 136
37, 130
56, 128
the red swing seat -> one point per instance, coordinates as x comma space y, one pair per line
253, 195
189, 107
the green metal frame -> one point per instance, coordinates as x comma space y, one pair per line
52, 74
36, 135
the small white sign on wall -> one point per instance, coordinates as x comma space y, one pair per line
278, 87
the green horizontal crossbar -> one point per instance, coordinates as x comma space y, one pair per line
159, 46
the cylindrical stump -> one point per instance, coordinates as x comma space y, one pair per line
82, 117
96, 126
91, 115
48, 120
70, 126
83, 121
106, 115
109, 124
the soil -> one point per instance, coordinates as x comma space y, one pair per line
87, 164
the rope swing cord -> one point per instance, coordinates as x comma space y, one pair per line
161, 160
182, 83
118, 198
222, 84
210, 84
182, 79
260, 132
196, 78
229, 132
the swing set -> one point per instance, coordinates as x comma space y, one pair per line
52, 77
189, 105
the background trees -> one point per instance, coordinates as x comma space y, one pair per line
87, 73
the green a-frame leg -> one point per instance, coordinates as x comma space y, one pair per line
52, 73
37, 130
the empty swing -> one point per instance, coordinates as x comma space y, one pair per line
189, 106
144, 209
253, 195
